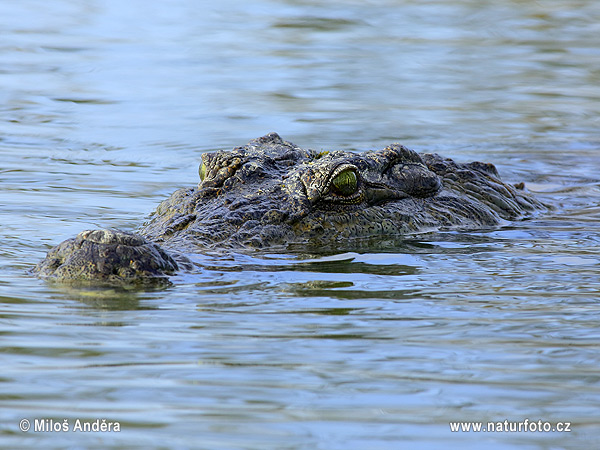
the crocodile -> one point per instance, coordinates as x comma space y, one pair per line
271, 193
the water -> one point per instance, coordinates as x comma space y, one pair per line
105, 109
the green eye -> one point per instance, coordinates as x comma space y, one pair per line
345, 183
202, 171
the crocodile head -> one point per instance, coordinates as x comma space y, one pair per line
271, 192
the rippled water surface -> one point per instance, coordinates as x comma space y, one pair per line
105, 109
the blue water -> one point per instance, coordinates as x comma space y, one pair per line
105, 109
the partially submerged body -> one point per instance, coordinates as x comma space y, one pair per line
273, 193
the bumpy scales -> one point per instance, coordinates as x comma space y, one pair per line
271, 192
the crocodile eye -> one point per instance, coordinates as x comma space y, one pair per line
202, 171
345, 183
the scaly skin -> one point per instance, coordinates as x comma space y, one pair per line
273, 193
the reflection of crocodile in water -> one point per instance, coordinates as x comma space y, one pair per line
271, 192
